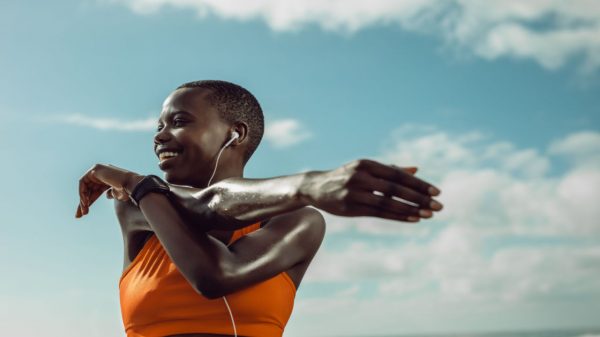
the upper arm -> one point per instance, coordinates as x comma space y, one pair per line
286, 240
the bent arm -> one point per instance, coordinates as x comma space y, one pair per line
212, 268
348, 191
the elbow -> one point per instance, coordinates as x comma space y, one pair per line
210, 286
211, 293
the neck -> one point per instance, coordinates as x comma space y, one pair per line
225, 172
228, 168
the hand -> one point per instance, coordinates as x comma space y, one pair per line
350, 191
100, 178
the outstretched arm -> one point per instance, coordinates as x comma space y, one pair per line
359, 188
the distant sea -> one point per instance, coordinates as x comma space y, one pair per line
539, 333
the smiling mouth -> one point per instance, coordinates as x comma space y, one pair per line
167, 157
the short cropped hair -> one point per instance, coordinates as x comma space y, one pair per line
235, 104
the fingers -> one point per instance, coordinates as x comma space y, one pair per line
379, 203
90, 189
375, 189
395, 181
84, 193
409, 169
81, 210
95, 193
398, 176
92, 194
78, 212
82, 189
86, 186
120, 194
390, 189
363, 210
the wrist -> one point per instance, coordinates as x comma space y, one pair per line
132, 180
305, 188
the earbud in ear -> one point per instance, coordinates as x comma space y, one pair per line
234, 136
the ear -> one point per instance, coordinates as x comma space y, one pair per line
242, 129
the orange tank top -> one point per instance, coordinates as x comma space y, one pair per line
156, 300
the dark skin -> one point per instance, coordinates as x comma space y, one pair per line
195, 223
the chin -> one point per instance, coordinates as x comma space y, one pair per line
176, 179
172, 178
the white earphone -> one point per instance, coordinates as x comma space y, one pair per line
234, 135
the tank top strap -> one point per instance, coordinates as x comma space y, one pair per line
238, 233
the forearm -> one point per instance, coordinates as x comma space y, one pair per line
237, 202
198, 256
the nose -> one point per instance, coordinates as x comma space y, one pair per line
162, 136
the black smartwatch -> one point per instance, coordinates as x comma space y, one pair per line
150, 183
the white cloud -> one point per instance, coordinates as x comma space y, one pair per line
512, 235
508, 189
550, 32
285, 132
447, 280
582, 147
280, 133
103, 123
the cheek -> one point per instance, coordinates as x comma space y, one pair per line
208, 145
199, 150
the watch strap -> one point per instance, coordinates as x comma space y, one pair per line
149, 183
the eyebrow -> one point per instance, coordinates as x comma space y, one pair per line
172, 113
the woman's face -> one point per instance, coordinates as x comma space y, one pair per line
189, 126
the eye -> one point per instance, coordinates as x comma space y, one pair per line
178, 121
159, 128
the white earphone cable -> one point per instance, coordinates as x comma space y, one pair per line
235, 135
230, 315
217, 161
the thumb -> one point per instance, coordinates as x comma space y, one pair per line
120, 194
411, 169
408, 169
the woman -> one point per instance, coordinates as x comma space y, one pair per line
210, 253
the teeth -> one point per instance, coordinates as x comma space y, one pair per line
164, 155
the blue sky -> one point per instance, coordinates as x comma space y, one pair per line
497, 104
